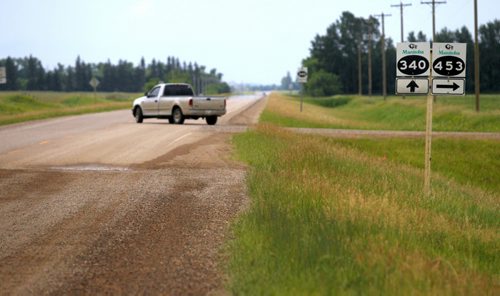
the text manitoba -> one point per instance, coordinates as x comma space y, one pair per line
405, 51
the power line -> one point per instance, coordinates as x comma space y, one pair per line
384, 72
401, 5
433, 3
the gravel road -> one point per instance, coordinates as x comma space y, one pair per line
97, 204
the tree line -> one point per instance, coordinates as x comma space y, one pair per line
336, 57
29, 74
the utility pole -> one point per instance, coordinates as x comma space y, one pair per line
370, 37
433, 3
476, 58
401, 5
360, 77
384, 72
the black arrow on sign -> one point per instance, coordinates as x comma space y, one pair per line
454, 86
412, 85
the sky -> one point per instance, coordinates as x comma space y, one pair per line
256, 41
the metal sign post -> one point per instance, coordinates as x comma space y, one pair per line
302, 78
94, 82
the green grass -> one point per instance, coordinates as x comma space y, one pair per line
24, 106
469, 162
347, 217
353, 112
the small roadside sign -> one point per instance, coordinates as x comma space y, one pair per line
448, 59
412, 86
302, 75
94, 82
413, 59
452, 86
3, 75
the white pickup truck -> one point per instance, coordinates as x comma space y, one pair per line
176, 102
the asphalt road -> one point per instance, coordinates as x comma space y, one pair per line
97, 204
111, 138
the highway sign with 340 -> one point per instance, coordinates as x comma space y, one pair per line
413, 59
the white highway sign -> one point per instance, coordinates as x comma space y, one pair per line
448, 59
413, 59
448, 86
3, 75
408, 86
94, 82
302, 75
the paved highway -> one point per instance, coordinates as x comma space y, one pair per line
97, 204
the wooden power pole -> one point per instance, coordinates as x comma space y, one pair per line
433, 3
384, 70
477, 88
360, 77
370, 37
401, 5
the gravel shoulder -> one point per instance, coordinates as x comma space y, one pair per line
154, 226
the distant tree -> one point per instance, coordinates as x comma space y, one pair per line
322, 84
287, 82
338, 50
419, 38
490, 58
28, 74
12, 75
35, 74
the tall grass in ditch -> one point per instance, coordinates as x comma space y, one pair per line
354, 112
23, 106
327, 219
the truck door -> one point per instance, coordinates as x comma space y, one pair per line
150, 104
166, 101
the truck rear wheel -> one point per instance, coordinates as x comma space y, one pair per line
211, 120
138, 115
177, 116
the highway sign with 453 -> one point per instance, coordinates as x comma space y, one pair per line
448, 67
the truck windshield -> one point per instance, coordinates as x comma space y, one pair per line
178, 90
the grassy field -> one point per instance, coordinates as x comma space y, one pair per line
343, 216
353, 112
24, 106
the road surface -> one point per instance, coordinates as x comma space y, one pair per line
97, 204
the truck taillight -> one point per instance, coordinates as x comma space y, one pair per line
190, 102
